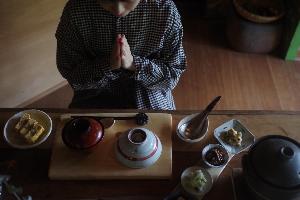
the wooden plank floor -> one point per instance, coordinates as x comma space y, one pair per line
245, 81
27, 49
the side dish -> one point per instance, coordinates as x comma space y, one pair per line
195, 180
216, 156
29, 128
232, 137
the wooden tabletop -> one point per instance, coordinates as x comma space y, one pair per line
29, 168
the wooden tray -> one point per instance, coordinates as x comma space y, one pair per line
67, 164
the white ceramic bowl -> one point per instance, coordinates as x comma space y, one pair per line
15, 140
191, 192
207, 148
138, 148
182, 126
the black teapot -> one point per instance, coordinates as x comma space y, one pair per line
271, 169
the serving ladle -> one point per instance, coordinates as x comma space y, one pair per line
192, 127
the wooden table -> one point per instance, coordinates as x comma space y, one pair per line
29, 168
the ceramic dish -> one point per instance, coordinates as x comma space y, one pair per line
208, 152
247, 137
14, 138
138, 148
181, 129
191, 178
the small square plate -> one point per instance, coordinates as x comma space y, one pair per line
247, 137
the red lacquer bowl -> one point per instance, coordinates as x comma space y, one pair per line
82, 133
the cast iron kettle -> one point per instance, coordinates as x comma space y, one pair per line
272, 168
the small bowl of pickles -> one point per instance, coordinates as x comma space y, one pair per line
196, 182
215, 155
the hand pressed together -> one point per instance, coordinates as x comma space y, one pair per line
121, 54
115, 58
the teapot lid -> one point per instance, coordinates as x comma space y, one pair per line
276, 160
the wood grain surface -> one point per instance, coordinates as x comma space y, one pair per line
27, 49
245, 81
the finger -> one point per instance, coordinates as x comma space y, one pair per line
123, 59
121, 43
118, 46
124, 37
119, 38
124, 62
123, 52
115, 45
127, 49
125, 42
126, 45
117, 52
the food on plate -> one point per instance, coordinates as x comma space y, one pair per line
34, 133
29, 128
23, 120
232, 137
216, 156
195, 180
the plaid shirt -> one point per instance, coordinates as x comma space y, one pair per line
85, 38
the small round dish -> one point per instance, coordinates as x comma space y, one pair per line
215, 155
82, 133
14, 139
138, 148
181, 130
196, 182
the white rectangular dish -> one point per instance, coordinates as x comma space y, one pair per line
247, 137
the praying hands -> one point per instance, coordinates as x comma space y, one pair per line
121, 56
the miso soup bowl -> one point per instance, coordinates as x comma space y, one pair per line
82, 133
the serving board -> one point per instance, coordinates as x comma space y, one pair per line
67, 164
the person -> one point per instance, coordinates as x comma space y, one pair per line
121, 53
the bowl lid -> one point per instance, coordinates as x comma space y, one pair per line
276, 160
82, 133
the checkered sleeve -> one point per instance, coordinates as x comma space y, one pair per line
82, 68
163, 73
